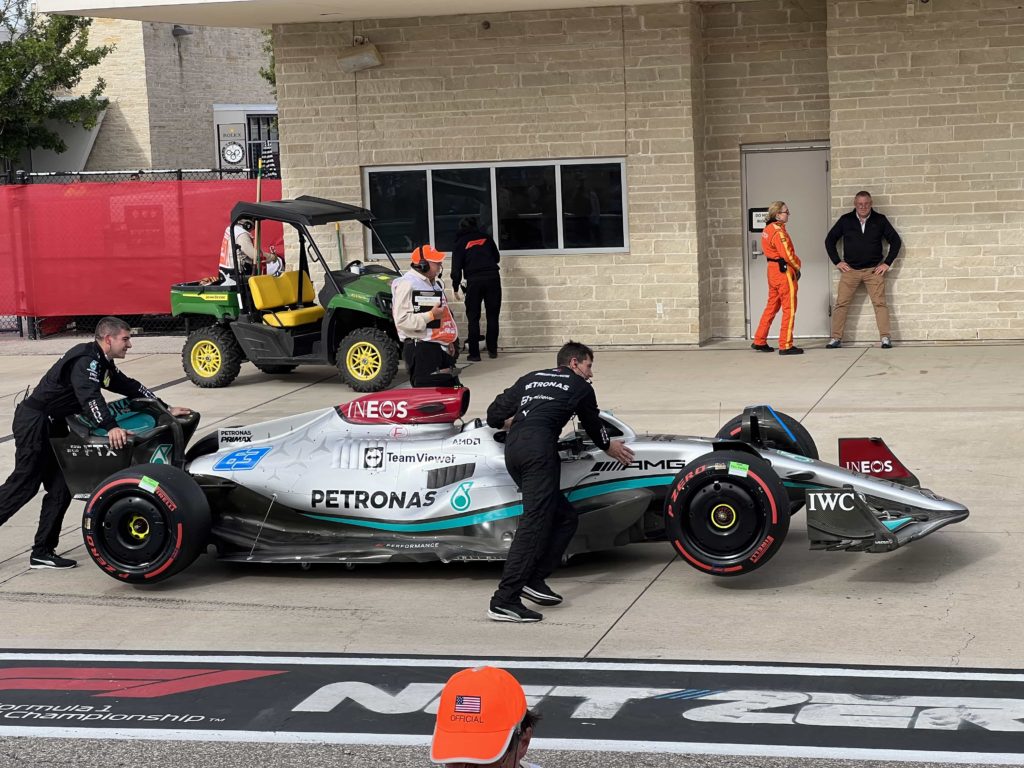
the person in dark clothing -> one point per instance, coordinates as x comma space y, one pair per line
862, 231
534, 410
72, 385
476, 257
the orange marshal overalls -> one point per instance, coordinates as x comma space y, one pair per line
776, 244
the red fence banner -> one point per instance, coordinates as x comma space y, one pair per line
114, 248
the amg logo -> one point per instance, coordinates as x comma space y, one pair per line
830, 501
643, 465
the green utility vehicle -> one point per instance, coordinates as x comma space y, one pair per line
280, 322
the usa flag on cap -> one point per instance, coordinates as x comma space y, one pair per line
468, 704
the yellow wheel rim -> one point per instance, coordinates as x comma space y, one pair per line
363, 361
206, 359
138, 528
723, 516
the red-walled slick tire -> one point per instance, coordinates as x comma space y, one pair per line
146, 523
727, 513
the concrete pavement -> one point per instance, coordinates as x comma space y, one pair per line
953, 414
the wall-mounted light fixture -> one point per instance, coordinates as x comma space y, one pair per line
362, 55
179, 31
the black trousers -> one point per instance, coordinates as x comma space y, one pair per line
488, 291
548, 521
35, 463
424, 360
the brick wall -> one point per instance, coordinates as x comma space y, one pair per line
600, 82
162, 90
123, 138
765, 81
927, 114
187, 75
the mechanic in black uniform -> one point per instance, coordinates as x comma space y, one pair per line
534, 410
476, 257
72, 385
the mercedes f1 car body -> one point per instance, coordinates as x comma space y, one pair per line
400, 475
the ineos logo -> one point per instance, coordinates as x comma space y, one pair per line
870, 467
378, 409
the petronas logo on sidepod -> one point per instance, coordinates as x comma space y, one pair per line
460, 499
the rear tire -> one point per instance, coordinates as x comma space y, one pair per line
212, 357
727, 513
368, 360
146, 523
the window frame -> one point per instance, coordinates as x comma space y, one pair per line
492, 166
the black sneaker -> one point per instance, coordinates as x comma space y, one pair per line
473, 358
51, 560
492, 355
791, 351
516, 612
834, 344
762, 348
541, 594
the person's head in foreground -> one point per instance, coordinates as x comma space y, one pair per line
482, 719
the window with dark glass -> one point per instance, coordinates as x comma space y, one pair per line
592, 206
527, 209
398, 200
262, 129
460, 193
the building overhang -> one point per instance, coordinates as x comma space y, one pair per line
263, 13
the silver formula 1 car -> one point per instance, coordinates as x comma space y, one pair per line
401, 475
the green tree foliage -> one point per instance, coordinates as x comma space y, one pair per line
42, 59
268, 73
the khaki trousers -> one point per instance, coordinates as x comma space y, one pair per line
848, 284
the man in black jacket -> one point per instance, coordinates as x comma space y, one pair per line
534, 410
72, 385
476, 257
862, 232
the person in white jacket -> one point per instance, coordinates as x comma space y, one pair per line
424, 321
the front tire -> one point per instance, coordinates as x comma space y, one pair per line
146, 523
727, 513
212, 357
368, 360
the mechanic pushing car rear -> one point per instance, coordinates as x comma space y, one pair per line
72, 384
424, 321
534, 410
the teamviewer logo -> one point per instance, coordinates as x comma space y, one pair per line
244, 458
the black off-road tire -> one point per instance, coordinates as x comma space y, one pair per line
727, 513
146, 523
368, 359
212, 357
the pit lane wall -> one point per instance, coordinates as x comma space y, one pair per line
114, 248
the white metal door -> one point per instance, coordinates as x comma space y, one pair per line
797, 174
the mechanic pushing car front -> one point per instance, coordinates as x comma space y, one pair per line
424, 321
73, 384
534, 410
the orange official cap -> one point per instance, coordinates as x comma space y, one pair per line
426, 253
479, 711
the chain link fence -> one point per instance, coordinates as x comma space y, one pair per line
84, 325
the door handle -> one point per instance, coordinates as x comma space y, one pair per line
755, 250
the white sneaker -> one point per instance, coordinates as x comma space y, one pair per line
886, 343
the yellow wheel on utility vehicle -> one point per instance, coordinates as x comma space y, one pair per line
206, 359
363, 361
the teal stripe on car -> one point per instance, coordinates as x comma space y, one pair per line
500, 513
